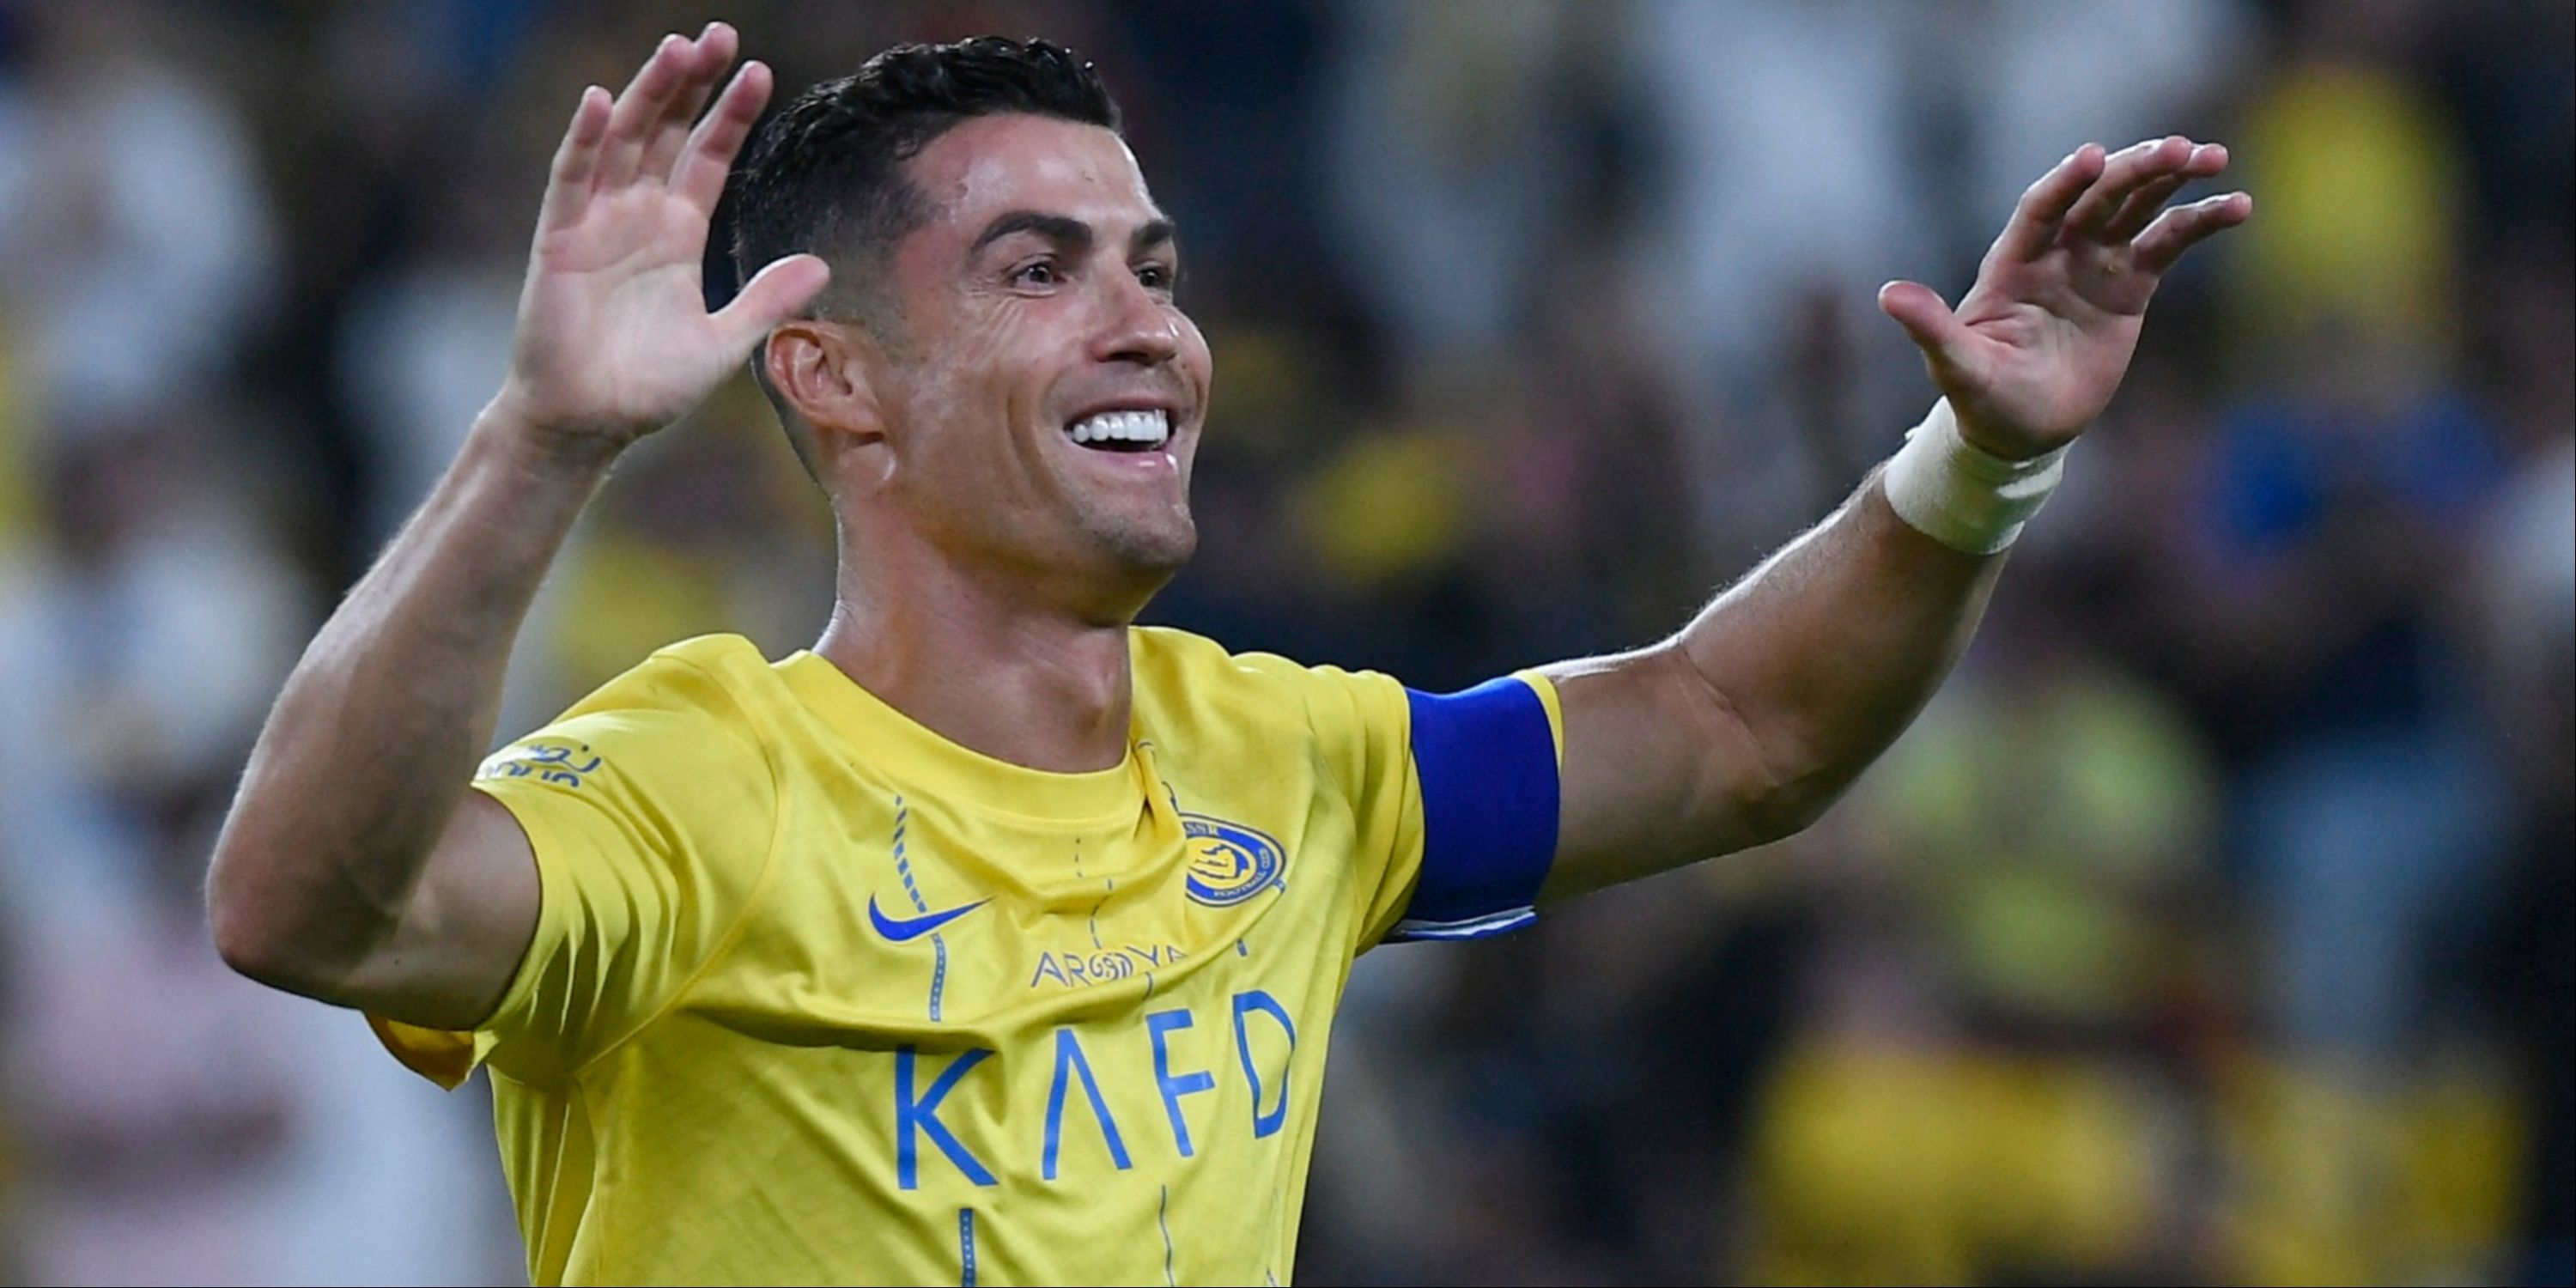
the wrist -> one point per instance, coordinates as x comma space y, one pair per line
1962, 495
2014, 448
506, 428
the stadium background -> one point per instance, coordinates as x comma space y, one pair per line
2214, 925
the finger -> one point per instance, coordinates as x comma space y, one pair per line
2128, 170
2141, 206
699, 178
713, 53
2033, 228
1929, 322
2183, 227
2135, 213
772, 296
631, 122
576, 161
2122, 174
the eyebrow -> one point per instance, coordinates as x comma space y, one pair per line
1068, 232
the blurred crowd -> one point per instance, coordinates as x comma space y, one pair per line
2213, 925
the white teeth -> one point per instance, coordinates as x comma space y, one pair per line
1151, 427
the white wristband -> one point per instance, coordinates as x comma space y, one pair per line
1961, 495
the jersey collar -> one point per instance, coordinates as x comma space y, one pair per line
902, 748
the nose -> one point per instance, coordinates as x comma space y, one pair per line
1139, 326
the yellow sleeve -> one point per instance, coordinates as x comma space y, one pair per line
1358, 722
651, 808
1453, 799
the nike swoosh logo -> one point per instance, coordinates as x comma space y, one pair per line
899, 929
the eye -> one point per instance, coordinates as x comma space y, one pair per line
1037, 273
1157, 277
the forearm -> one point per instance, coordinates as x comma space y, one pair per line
1745, 725
366, 754
1827, 651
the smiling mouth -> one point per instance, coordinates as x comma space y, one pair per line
1122, 431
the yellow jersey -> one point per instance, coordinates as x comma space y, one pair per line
817, 995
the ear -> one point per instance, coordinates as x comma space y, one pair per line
822, 371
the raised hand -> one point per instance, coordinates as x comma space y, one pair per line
2041, 341
614, 338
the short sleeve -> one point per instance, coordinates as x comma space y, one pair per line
651, 808
1454, 798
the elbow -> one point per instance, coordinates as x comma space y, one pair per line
259, 953
252, 938
1764, 776
1784, 808
1797, 781
245, 940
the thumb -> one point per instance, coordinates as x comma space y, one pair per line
773, 295
1928, 321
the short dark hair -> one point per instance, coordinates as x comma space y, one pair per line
824, 173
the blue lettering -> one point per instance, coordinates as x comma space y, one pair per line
1245, 1003
1108, 965
1159, 1026
922, 1115
1068, 1056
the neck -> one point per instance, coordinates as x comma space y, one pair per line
1002, 673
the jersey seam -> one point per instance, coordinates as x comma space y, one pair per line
590, 1132
1408, 802
751, 902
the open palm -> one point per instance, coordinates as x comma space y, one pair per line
2040, 343
614, 338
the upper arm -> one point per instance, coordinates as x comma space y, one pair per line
595, 868
1455, 799
1660, 769
459, 939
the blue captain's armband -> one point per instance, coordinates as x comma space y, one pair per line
1486, 759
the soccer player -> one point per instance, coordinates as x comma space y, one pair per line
997, 938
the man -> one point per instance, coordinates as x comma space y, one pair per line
996, 937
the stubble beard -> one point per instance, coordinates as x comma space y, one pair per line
1154, 548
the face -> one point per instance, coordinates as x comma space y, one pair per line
1041, 391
